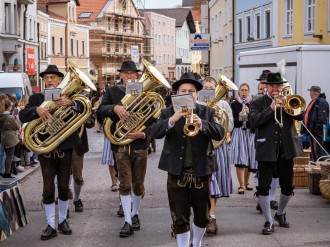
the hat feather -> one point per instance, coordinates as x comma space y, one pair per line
281, 66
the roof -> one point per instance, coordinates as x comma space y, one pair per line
196, 13
56, 1
89, 11
179, 14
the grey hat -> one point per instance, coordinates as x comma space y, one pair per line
315, 89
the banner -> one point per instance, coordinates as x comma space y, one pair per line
135, 54
31, 70
199, 42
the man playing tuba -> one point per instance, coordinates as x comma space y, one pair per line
57, 162
131, 159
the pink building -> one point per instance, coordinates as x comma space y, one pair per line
162, 45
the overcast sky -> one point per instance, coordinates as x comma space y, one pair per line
154, 4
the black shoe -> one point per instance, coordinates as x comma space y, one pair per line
126, 231
78, 206
120, 212
136, 222
8, 175
64, 228
258, 207
13, 168
274, 205
48, 233
281, 219
268, 228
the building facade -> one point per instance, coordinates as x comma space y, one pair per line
162, 44
116, 35
221, 32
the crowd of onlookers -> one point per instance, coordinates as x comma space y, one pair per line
14, 156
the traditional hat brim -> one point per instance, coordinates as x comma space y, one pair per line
177, 84
42, 74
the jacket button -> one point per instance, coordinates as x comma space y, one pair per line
275, 142
182, 147
180, 158
275, 132
184, 136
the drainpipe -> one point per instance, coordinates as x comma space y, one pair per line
24, 36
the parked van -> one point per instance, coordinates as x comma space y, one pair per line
15, 83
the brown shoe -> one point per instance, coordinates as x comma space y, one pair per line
212, 227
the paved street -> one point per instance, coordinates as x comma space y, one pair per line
240, 224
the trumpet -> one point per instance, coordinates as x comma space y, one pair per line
190, 128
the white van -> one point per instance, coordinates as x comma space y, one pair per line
15, 83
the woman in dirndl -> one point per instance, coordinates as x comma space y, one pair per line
108, 159
221, 184
242, 141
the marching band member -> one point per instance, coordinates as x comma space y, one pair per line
57, 162
276, 147
131, 159
221, 179
189, 161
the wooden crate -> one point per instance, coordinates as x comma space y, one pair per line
300, 178
301, 161
307, 153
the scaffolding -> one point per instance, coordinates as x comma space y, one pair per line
112, 37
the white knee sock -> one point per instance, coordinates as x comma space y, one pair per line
198, 235
50, 214
136, 201
62, 210
183, 239
273, 188
265, 206
126, 202
71, 181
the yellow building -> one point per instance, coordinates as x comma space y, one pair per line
221, 25
303, 22
67, 39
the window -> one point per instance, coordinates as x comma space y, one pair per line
42, 50
30, 30
257, 26
239, 30
132, 26
124, 4
7, 17
53, 45
77, 48
288, 17
108, 47
125, 48
310, 15
15, 19
83, 48
71, 47
83, 15
116, 24
267, 24
61, 46
45, 50
248, 28
164, 39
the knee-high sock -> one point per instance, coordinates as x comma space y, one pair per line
62, 210
126, 202
136, 201
71, 181
265, 206
50, 214
183, 239
282, 203
273, 188
198, 235
77, 189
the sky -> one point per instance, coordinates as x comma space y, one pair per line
157, 4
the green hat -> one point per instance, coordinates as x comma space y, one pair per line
275, 78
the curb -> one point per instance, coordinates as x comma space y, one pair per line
27, 173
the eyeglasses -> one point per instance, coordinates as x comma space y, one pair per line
129, 73
53, 77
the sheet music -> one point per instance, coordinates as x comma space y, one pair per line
206, 95
180, 101
52, 93
134, 88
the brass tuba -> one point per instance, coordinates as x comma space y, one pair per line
224, 85
44, 137
141, 108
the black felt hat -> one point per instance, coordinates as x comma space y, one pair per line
264, 75
275, 78
187, 78
128, 66
51, 69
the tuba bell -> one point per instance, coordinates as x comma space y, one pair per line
141, 108
44, 137
224, 85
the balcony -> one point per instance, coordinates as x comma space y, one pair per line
26, 1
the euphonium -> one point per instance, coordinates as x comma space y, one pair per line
224, 85
44, 137
141, 108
